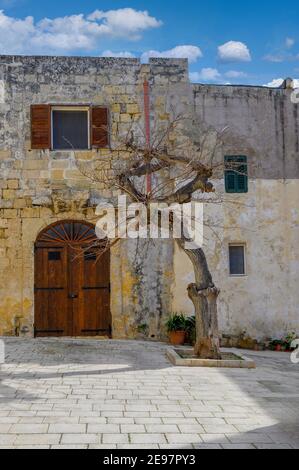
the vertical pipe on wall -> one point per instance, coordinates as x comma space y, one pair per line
147, 128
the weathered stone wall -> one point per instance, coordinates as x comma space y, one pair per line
264, 125
40, 187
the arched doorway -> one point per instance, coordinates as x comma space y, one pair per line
72, 287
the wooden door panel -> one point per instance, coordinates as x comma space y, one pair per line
91, 310
72, 288
51, 301
51, 313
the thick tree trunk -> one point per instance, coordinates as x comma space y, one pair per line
204, 296
207, 336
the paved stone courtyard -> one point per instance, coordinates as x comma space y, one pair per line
66, 393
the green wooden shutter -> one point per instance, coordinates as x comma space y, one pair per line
236, 174
230, 181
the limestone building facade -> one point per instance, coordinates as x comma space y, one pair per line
45, 198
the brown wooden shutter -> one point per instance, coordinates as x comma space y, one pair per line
40, 126
99, 127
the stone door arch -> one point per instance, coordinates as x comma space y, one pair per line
72, 286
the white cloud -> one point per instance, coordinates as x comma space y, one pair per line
289, 43
277, 82
124, 22
213, 75
235, 74
234, 51
192, 53
118, 54
71, 33
205, 75
277, 59
283, 54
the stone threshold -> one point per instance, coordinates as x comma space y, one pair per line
177, 360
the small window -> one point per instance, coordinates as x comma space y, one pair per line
54, 256
88, 256
236, 174
237, 260
70, 128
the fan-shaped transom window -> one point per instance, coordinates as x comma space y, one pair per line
68, 232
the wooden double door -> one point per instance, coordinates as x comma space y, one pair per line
72, 283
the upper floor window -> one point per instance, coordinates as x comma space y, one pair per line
236, 174
69, 127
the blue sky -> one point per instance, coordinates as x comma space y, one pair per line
226, 42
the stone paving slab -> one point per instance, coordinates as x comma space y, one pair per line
70, 393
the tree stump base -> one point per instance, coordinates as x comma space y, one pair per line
207, 336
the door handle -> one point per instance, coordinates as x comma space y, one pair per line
73, 296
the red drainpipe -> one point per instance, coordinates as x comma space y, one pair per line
147, 128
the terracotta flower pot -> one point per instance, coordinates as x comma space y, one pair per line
278, 347
177, 338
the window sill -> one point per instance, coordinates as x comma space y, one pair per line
90, 149
71, 150
238, 275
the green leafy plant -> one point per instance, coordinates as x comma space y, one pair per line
191, 329
142, 329
176, 322
274, 343
285, 343
289, 339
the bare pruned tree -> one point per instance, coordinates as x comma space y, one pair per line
181, 160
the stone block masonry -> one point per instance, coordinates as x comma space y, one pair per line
39, 187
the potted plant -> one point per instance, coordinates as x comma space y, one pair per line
276, 345
289, 340
176, 327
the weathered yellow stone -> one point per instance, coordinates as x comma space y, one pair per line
104, 152
61, 164
114, 89
74, 174
83, 156
19, 203
126, 99
17, 164
44, 174
45, 212
164, 117
31, 174
10, 213
133, 109
5, 154
57, 174
10, 309
3, 224
30, 212
125, 117
8, 193
35, 164
160, 101
13, 184
115, 108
